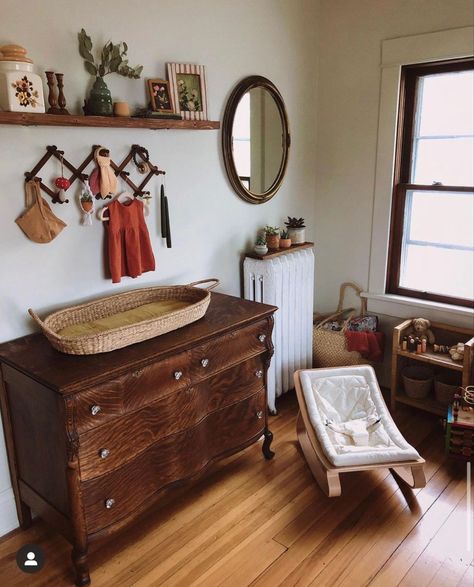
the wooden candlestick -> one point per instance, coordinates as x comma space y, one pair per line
61, 96
52, 99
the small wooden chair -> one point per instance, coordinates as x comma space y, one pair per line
327, 474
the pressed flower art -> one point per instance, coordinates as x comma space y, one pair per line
188, 88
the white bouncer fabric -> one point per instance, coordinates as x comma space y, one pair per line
350, 417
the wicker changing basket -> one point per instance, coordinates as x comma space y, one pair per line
197, 300
329, 346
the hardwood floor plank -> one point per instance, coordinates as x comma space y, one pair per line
467, 579
446, 558
398, 564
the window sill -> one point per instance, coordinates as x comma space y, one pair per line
405, 307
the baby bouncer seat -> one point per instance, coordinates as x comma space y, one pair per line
344, 425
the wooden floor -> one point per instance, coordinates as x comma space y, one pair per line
259, 523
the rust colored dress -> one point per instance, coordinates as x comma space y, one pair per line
130, 252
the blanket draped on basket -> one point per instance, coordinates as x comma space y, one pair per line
344, 347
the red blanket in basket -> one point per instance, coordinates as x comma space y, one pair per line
369, 344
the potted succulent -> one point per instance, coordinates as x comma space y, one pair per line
113, 59
272, 237
296, 230
261, 246
285, 240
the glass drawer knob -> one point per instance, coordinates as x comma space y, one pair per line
95, 409
178, 375
262, 337
104, 453
259, 373
137, 373
260, 415
109, 503
205, 362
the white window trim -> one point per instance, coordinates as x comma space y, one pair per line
450, 44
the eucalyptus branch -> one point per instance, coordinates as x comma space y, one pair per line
113, 58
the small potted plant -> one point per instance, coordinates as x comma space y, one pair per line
86, 201
285, 240
272, 237
296, 229
261, 246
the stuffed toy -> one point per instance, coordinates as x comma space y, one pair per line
457, 352
421, 327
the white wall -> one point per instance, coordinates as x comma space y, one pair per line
351, 33
211, 226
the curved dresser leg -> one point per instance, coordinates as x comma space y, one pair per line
81, 567
267, 453
24, 515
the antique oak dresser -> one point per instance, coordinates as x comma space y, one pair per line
93, 440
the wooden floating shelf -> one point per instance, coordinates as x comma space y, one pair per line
272, 253
32, 119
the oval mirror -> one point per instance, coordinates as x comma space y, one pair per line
255, 139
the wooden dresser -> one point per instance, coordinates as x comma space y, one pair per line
93, 440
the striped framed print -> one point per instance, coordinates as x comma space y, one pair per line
188, 87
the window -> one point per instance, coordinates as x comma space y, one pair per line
241, 140
431, 252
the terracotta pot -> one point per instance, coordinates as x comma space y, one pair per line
87, 205
285, 243
273, 241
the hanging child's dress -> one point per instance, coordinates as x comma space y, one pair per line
130, 252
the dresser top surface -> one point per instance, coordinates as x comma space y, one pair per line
34, 356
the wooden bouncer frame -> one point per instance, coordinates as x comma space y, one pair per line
326, 474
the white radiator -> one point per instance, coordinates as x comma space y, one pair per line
287, 282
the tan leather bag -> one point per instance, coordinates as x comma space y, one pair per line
38, 222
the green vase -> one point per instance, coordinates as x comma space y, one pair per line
100, 100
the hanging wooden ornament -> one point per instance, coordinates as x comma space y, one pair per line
62, 183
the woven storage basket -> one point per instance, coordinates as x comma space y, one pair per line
329, 346
417, 381
445, 386
116, 338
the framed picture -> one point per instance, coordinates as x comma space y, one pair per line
188, 87
160, 95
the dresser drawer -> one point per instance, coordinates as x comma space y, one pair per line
115, 443
110, 498
229, 349
118, 396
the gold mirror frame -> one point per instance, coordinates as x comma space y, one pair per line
253, 81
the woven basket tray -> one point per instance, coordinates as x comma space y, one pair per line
102, 342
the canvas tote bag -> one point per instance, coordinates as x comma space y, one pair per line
38, 222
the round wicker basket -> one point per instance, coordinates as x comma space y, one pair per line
445, 386
417, 381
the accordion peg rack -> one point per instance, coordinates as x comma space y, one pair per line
136, 155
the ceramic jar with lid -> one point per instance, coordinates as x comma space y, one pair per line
21, 90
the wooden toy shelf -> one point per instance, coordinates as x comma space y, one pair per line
32, 119
445, 334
